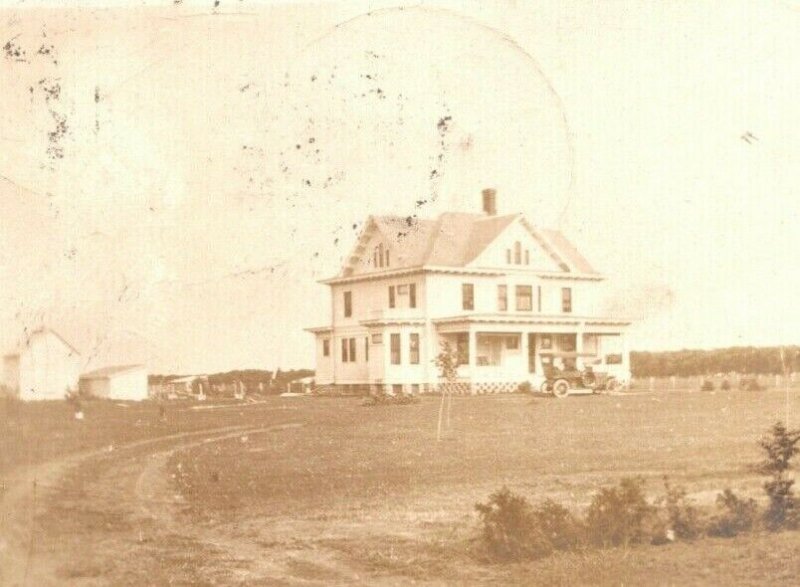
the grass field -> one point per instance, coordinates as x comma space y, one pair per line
326, 491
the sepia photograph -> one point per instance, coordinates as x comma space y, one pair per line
371, 292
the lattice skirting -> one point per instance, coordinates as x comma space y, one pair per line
477, 388
456, 388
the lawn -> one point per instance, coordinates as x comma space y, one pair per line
314, 490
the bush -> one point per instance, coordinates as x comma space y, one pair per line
513, 530
738, 515
725, 385
525, 387
780, 447
621, 515
707, 385
750, 384
561, 529
682, 517
508, 530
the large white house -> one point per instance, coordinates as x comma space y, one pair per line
512, 298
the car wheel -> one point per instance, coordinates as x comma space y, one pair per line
561, 388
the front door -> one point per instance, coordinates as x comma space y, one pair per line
531, 352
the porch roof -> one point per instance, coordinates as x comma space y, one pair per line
391, 321
545, 320
319, 329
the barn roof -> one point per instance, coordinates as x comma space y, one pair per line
110, 371
38, 332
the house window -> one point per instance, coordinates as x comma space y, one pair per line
326, 347
345, 353
524, 295
412, 295
352, 350
394, 341
508, 256
566, 299
539, 298
527, 257
366, 349
377, 338
348, 304
512, 343
391, 296
502, 298
413, 348
462, 348
467, 296
518, 253
379, 254
387, 257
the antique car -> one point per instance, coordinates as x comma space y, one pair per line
565, 380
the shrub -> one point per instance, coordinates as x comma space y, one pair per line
561, 529
621, 515
780, 447
707, 385
738, 515
508, 530
682, 517
725, 385
525, 387
750, 384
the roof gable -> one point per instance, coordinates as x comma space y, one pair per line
457, 240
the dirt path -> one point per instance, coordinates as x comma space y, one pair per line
23, 560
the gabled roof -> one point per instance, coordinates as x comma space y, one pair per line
455, 239
39, 332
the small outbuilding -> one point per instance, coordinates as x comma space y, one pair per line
44, 366
121, 382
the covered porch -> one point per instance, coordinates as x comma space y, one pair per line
500, 353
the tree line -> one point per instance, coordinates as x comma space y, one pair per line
685, 363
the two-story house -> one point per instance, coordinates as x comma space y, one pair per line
510, 297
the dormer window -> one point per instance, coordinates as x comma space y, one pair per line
387, 257
518, 253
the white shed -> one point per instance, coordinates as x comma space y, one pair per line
44, 366
121, 382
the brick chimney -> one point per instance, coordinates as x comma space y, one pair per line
490, 201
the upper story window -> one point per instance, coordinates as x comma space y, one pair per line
524, 298
326, 347
566, 299
380, 256
366, 348
518, 255
467, 296
394, 342
348, 304
413, 348
407, 291
538, 298
502, 298
352, 350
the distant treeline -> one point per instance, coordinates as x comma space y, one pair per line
253, 379
685, 363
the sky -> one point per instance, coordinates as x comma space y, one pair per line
176, 176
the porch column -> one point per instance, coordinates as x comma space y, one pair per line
473, 358
579, 348
524, 350
626, 358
